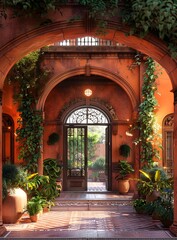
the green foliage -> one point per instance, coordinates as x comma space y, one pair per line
153, 179
53, 170
34, 183
26, 75
124, 169
32, 6
158, 17
139, 205
99, 164
92, 139
45, 186
34, 205
53, 138
10, 178
124, 150
146, 123
99, 8
144, 16
101, 11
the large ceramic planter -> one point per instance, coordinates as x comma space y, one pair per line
14, 205
123, 186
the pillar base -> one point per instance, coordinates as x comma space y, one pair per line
2, 230
173, 229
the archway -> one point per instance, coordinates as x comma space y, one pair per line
87, 156
15, 46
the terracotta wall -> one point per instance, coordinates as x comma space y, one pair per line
112, 92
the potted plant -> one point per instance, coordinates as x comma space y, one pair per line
34, 207
124, 150
153, 183
139, 205
124, 168
53, 138
14, 198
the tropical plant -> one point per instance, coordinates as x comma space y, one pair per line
124, 169
124, 150
52, 169
154, 179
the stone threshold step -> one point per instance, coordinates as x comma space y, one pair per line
91, 205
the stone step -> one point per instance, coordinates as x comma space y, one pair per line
89, 205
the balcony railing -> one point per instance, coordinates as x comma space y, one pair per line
86, 41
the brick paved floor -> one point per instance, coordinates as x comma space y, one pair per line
122, 223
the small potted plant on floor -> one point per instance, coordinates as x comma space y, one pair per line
124, 168
34, 207
139, 205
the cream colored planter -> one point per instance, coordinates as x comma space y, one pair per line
14, 205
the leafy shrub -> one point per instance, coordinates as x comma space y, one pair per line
99, 164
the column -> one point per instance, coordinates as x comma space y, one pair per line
40, 160
173, 228
2, 228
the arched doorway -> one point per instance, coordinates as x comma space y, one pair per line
87, 150
32, 37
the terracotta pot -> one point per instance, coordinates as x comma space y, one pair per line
46, 209
13, 205
153, 196
123, 186
34, 218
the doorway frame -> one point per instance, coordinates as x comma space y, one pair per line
109, 147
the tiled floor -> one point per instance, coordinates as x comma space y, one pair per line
120, 223
96, 186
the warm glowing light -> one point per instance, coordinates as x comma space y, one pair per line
88, 92
128, 134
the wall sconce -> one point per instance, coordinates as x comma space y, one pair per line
129, 134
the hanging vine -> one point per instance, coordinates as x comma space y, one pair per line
26, 75
146, 123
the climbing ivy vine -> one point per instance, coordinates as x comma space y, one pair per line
26, 76
146, 123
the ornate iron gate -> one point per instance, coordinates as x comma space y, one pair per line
76, 154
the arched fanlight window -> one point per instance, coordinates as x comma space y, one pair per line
87, 115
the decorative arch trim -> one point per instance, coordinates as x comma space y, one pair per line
93, 70
14, 47
98, 103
